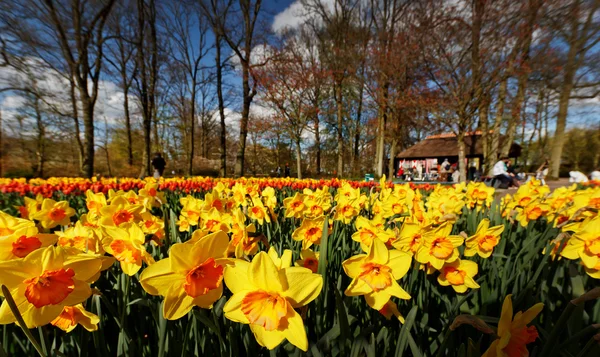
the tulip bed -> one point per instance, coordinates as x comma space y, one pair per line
277, 267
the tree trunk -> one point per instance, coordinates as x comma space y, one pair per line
239, 162
318, 145
223, 136
355, 149
298, 158
128, 125
485, 133
76, 120
460, 138
41, 140
192, 129
340, 128
88, 135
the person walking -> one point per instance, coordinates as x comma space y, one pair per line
159, 164
287, 170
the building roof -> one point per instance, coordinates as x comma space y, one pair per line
446, 145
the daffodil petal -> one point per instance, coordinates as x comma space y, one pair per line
233, 308
268, 339
302, 285
263, 273
236, 276
295, 332
158, 278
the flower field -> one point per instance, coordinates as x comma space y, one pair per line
277, 267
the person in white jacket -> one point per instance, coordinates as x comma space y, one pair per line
500, 173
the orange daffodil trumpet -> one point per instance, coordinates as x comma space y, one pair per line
439, 246
513, 333
126, 244
484, 240
191, 276
24, 241
375, 274
46, 281
265, 297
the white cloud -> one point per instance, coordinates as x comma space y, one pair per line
292, 17
109, 103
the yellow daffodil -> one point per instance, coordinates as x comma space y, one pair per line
24, 241
120, 212
308, 259
484, 240
367, 231
459, 274
31, 206
265, 297
585, 244
126, 244
309, 232
439, 247
191, 276
479, 195
241, 243
191, 210
54, 213
80, 237
411, 237
71, 316
346, 210
375, 274
214, 221
294, 206
532, 212
94, 202
514, 334
258, 212
44, 282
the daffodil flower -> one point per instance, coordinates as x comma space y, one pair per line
484, 240
514, 334
22, 242
459, 274
308, 259
54, 213
191, 276
46, 281
309, 232
265, 297
71, 316
126, 244
375, 274
439, 247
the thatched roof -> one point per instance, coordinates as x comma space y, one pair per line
446, 145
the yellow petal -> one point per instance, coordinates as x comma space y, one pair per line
13, 273
233, 308
84, 265
572, 249
377, 300
130, 268
295, 332
263, 273
177, 303
301, 285
491, 351
34, 317
358, 287
236, 276
268, 339
352, 266
158, 278
506, 316
528, 315
79, 294
207, 300
378, 252
397, 291
399, 263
